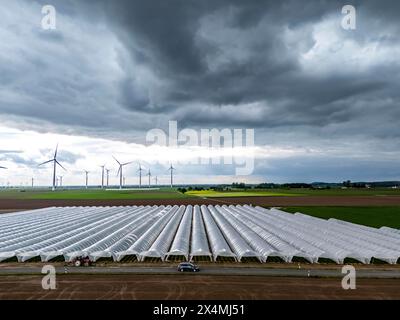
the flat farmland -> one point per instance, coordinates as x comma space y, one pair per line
196, 287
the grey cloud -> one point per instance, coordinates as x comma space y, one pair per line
134, 65
64, 156
16, 158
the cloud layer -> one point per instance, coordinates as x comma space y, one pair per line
114, 70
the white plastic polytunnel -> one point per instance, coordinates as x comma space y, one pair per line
390, 231
282, 248
216, 232
335, 246
73, 241
351, 243
163, 242
128, 240
218, 244
144, 242
180, 245
259, 245
102, 249
233, 237
199, 244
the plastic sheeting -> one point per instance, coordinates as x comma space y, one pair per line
217, 232
218, 244
181, 243
199, 243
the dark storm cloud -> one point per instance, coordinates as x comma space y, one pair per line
116, 69
165, 37
179, 42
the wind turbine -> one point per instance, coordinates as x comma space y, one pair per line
32, 180
108, 175
140, 175
156, 180
60, 179
121, 165
55, 163
87, 177
124, 181
149, 174
171, 168
102, 176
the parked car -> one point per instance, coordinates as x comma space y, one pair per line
188, 267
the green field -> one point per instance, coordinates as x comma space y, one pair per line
222, 194
294, 192
92, 194
369, 216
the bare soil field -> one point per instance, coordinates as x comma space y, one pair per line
197, 287
7, 205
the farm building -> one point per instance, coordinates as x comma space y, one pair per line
189, 233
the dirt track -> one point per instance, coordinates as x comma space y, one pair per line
6, 204
197, 287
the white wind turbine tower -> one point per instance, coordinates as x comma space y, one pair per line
60, 180
55, 163
156, 180
108, 176
87, 177
102, 176
149, 175
140, 175
121, 165
171, 168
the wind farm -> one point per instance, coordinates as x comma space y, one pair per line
90, 188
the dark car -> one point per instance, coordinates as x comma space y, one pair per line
188, 267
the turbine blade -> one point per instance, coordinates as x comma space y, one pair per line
60, 164
119, 170
124, 164
116, 160
2, 167
45, 162
55, 153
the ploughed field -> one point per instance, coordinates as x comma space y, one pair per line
193, 287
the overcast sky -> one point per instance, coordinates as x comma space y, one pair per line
323, 101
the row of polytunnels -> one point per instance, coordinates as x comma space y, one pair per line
234, 233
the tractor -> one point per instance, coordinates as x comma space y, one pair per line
82, 262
